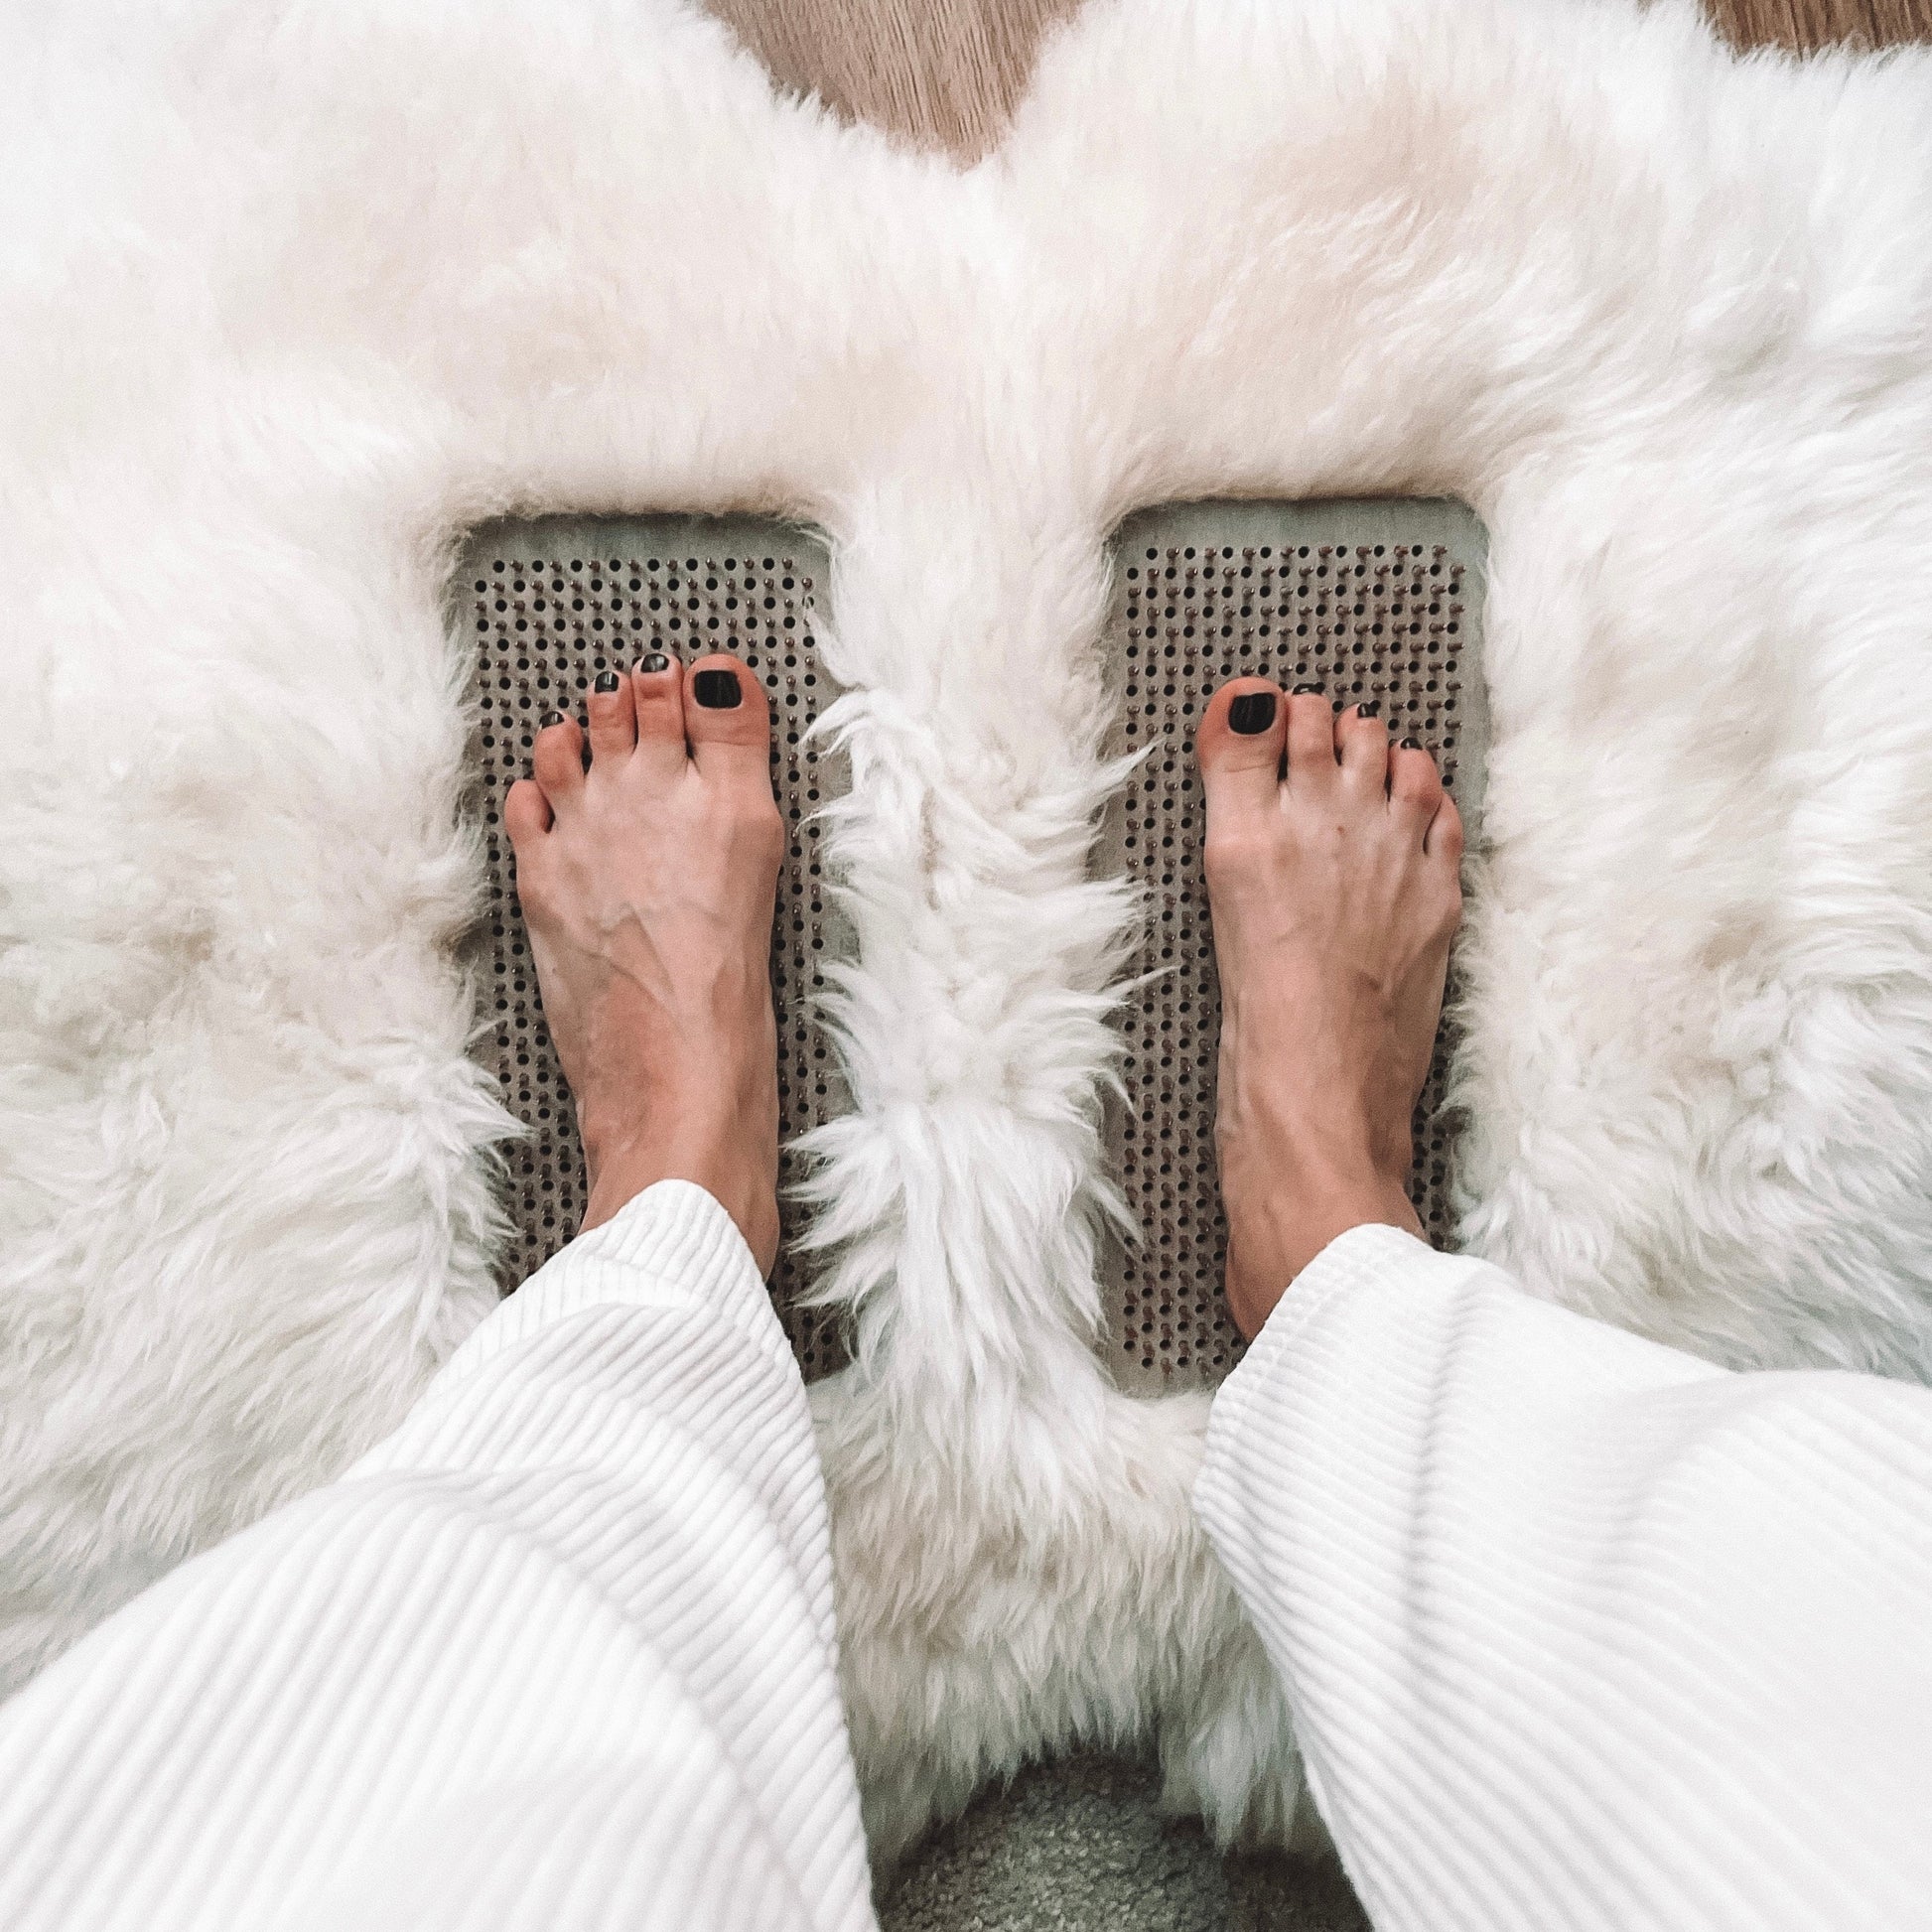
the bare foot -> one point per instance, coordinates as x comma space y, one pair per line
1336, 893
647, 884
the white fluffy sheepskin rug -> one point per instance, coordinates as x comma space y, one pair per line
293, 293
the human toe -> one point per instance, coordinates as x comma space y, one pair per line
657, 699
558, 760
613, 719
726, 717
1364, 740
1239, 744
1310, 740
1443, 839
526, 813
1415, 784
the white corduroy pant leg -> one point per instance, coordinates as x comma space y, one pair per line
1580, 1631
559, 1654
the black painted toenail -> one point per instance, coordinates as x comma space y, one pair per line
654, 663
551, 717
1372, 708
1251, 713
1411, 745
717, 690
607, 681
1308, 690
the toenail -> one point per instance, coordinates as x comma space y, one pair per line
717, 690
1308, 690
1251, 713
654, 663
551, 717
1372, 708
1411, 745
607, 681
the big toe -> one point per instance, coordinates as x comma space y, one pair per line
725, 718
1239, 745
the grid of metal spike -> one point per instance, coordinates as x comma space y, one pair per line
1369, 601
547, 606
1377, 600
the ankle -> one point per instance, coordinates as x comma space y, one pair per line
621, 1168
1272, 1240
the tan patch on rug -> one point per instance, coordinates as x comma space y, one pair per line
939, 73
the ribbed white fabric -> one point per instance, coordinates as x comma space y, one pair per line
1579, 1631
559, 1654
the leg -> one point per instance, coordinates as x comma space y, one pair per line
561, 1652
1332, 865
647, 886
1577, 1631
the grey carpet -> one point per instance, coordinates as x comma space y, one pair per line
1081, 1847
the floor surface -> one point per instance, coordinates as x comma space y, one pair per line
1081, 1847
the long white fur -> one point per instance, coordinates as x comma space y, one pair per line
293, 293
